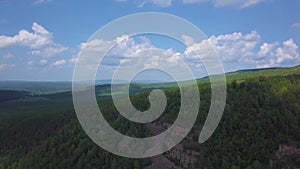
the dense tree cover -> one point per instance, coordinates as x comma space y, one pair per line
261, 113
46, 134
7, 95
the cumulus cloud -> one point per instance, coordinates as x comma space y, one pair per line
230, 47
276, 54
36, 39
59, 63
124, 48
187, 40
40, 41
50, 51
43, 62
73, 60
288, 52
245, 49
236, 46
96, 45
266, 49
143, 51
8, 56
6, 66
239, 50
160, 58
127, 55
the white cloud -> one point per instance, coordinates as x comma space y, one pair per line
267, 49
8, 56
239, 50
6, 41
138, 52
245, 49
174, 58
41, 2
160, 3
35, 42
288, 53
40, 37
235, 46
187, 40
193, 1
296, 25
248, 3
236, 3
39, 41
128, 54
153, 61
217, 3
124, 48
73, 60
96, 45
271, 55
38, 29
30, 63
59, 63
203, 48
43, 62
158, 57
50, 51
6, 66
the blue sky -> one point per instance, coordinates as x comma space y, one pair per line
40, 39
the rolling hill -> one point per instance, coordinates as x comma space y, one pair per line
259, 127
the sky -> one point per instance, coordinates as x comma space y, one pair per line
40, 40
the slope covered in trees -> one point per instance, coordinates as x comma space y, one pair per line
261, 119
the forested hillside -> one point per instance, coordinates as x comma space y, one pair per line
259, 128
